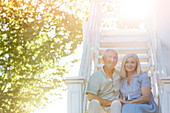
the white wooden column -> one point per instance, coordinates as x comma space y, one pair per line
75, 87
165, 95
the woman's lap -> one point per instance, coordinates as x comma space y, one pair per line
137, 108
129, 108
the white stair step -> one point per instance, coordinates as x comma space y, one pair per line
124, 40
145, 67
125, 50
107, 0
142, 58
142, 52
130, 32
119, 65
114, 16
121, 56
123, 44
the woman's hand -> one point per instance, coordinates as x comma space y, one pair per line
124, 102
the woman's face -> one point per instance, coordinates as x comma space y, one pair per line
130, 65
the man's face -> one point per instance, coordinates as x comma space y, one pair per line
110, 59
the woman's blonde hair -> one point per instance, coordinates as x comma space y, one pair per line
138, 68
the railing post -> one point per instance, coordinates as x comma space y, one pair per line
75, 94
165, 94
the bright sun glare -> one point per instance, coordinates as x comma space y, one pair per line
134, 9
130, 9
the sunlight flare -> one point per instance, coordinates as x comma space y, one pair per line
134, 9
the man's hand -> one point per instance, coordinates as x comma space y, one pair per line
103, 102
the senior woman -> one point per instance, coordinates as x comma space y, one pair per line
135, 87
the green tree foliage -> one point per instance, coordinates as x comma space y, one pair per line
34, 36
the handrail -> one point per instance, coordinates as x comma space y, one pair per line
159, 64
164, 72
157, 51
89, 35
88, 38
153, 40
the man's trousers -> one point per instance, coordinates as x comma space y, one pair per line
95, 107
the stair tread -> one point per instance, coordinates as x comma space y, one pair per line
145, 67
120, 64
130, 32
121, 56
106, 0
113, 40
122, 44
125, 48
110, 16
118, 68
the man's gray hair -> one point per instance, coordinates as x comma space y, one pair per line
112, 50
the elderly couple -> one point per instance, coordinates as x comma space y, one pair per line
127, 91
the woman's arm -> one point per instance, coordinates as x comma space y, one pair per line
102, 101
146, 92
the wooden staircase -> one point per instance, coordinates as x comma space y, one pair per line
125, 41
97, 38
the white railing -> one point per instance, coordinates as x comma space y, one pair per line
159, 64
91, 29
76, 97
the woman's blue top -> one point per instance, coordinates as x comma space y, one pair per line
133, 91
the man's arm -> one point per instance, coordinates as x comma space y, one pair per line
102, 101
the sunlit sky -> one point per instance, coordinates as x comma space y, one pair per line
58, 106
130, 9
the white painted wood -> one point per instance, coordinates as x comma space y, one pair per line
75, 94
162, 16
96, 60
123, 40
151, 74
165, 94
162, 63
122, 44
91, 28
124, 50
107, 0
143, 59
161, 76
123, 37
130, 32
109, 16
165, 107
145, 67
140, 57
119, 65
